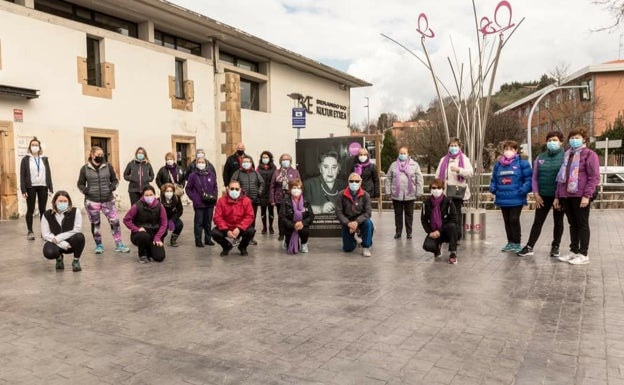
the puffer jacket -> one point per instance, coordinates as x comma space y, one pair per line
251, 181
351, 209
98, 183
402, 193
511, 184
266, 173
139, 174
230, 214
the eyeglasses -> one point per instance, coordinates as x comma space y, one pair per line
354, 181
234, 188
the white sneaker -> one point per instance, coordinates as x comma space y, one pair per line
304, 248
366, 252
579, 260
567, 257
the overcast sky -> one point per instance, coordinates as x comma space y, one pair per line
347, 35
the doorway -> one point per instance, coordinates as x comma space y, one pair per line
8, 177
184, 147
106, 139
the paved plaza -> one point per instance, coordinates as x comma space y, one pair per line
328, 317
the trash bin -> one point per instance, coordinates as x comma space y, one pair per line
474, 224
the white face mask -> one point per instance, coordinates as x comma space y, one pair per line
201, 166
295, 192
34, 149
509, 154
169, 194
436, 192
246, 165
362, 158
169, 162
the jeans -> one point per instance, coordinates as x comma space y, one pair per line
202, 222
366, 231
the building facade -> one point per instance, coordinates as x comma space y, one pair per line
123, 74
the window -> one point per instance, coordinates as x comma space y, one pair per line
94, 67
238, 62
250, 95
571, 93
177, 43
179, 79
84, 15
558, 98
547, 101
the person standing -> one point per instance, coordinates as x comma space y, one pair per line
234, 220
296, 216
404, 183
439, 219
234, 163
364, 168
252, 183
354, 214
577, 181
35, 182
147, 222
200, 153
544, 185
98, 181
510, 184
171, 173
61, 228
174, 209
139, 174
202, 190
455, 169
279, 185
266, 168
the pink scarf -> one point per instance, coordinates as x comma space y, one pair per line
360, 166
569, 171
293, 246
403, 168
445, 163
506, 162
436, 214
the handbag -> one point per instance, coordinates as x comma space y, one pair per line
179, 190
431, 245
209, 199
455, 192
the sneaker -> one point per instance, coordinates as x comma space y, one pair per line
579, 260
99, 249
76, 265
30, 236
264, 231
567, 257
284, 245
121, 248
304, 248
525, 252
366, 252
508, 247
143, 259
271, 230
452, 259
517, 248
243, 252
59, 263
554, 251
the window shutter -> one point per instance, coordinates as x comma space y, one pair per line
189, 91
108, 69
82, 69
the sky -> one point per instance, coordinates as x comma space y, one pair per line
346, 34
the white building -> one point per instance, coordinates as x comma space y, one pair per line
122, 74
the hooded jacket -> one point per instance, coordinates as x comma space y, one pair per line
139, 174
231, 214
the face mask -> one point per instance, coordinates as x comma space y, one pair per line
246, 165
265, 160
140, 156
99, 159
234, 194
454, 150
509, 154
295, 192
240, 152
285, 163
34, 149
169, 162
402, 157
576, 143
201, 166
354, 186
553, 146
149, 199
200, 155
436, 192
62, 206
169, 194
362, 158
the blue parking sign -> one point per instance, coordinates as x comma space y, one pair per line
298, 117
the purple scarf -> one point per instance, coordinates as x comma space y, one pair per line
569, 172
173, 172
405, 169
293, 246
506, 162
360, 166
445, 164
436, 214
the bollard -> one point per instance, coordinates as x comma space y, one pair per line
474, 224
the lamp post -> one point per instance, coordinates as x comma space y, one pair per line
367, 115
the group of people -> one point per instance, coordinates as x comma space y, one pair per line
563, 180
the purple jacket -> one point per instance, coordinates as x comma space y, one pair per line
276, 191
198, 182
588, 178
134, 220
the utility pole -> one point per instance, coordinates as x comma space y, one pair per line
367, 115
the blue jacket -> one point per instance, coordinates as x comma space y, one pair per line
511, 184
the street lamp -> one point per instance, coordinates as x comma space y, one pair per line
367, 115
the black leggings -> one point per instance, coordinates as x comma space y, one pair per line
39, 194
77, 242
267, 211
541, 213
578, 219
145, 242
511, 216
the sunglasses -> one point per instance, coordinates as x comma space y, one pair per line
234, 189
354, 181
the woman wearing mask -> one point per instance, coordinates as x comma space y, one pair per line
139, 174
364, 168
201, 189
251, 182
61, 228
98, 181
439, 219
577, 180
35, 182
404, 182
147, 222
171, 173
174, 209
510, 184
266, 168
279, 185
455, 169
296, 216
544, 185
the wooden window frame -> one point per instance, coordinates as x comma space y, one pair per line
113, 135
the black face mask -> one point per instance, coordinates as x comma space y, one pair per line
98, 159
240, 152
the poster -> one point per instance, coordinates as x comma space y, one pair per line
324, 167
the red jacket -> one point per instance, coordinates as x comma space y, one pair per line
230, 214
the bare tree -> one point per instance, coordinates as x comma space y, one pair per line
560, 72
386, 120
616, 9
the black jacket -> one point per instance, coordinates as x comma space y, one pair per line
287, 213
98, 183
266, 173
163, 176
232, 165
25, 182
447, 210
350, 209
251, 182
370, 177
139, 174
173, 208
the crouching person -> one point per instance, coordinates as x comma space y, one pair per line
61, 228
147, 222
295, 218
354, 211
439, 219
234, 219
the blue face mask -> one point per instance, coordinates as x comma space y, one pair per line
576, 143
265, 160
402, 157
353, 186
285, 163
453, 150
62, 206
140, 156
553, 146
234, 194
246, 165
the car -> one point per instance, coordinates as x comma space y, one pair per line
612, 177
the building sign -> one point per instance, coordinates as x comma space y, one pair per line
18, 115
298, 117
323, 107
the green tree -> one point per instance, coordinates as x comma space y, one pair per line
388, 151
613, 132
